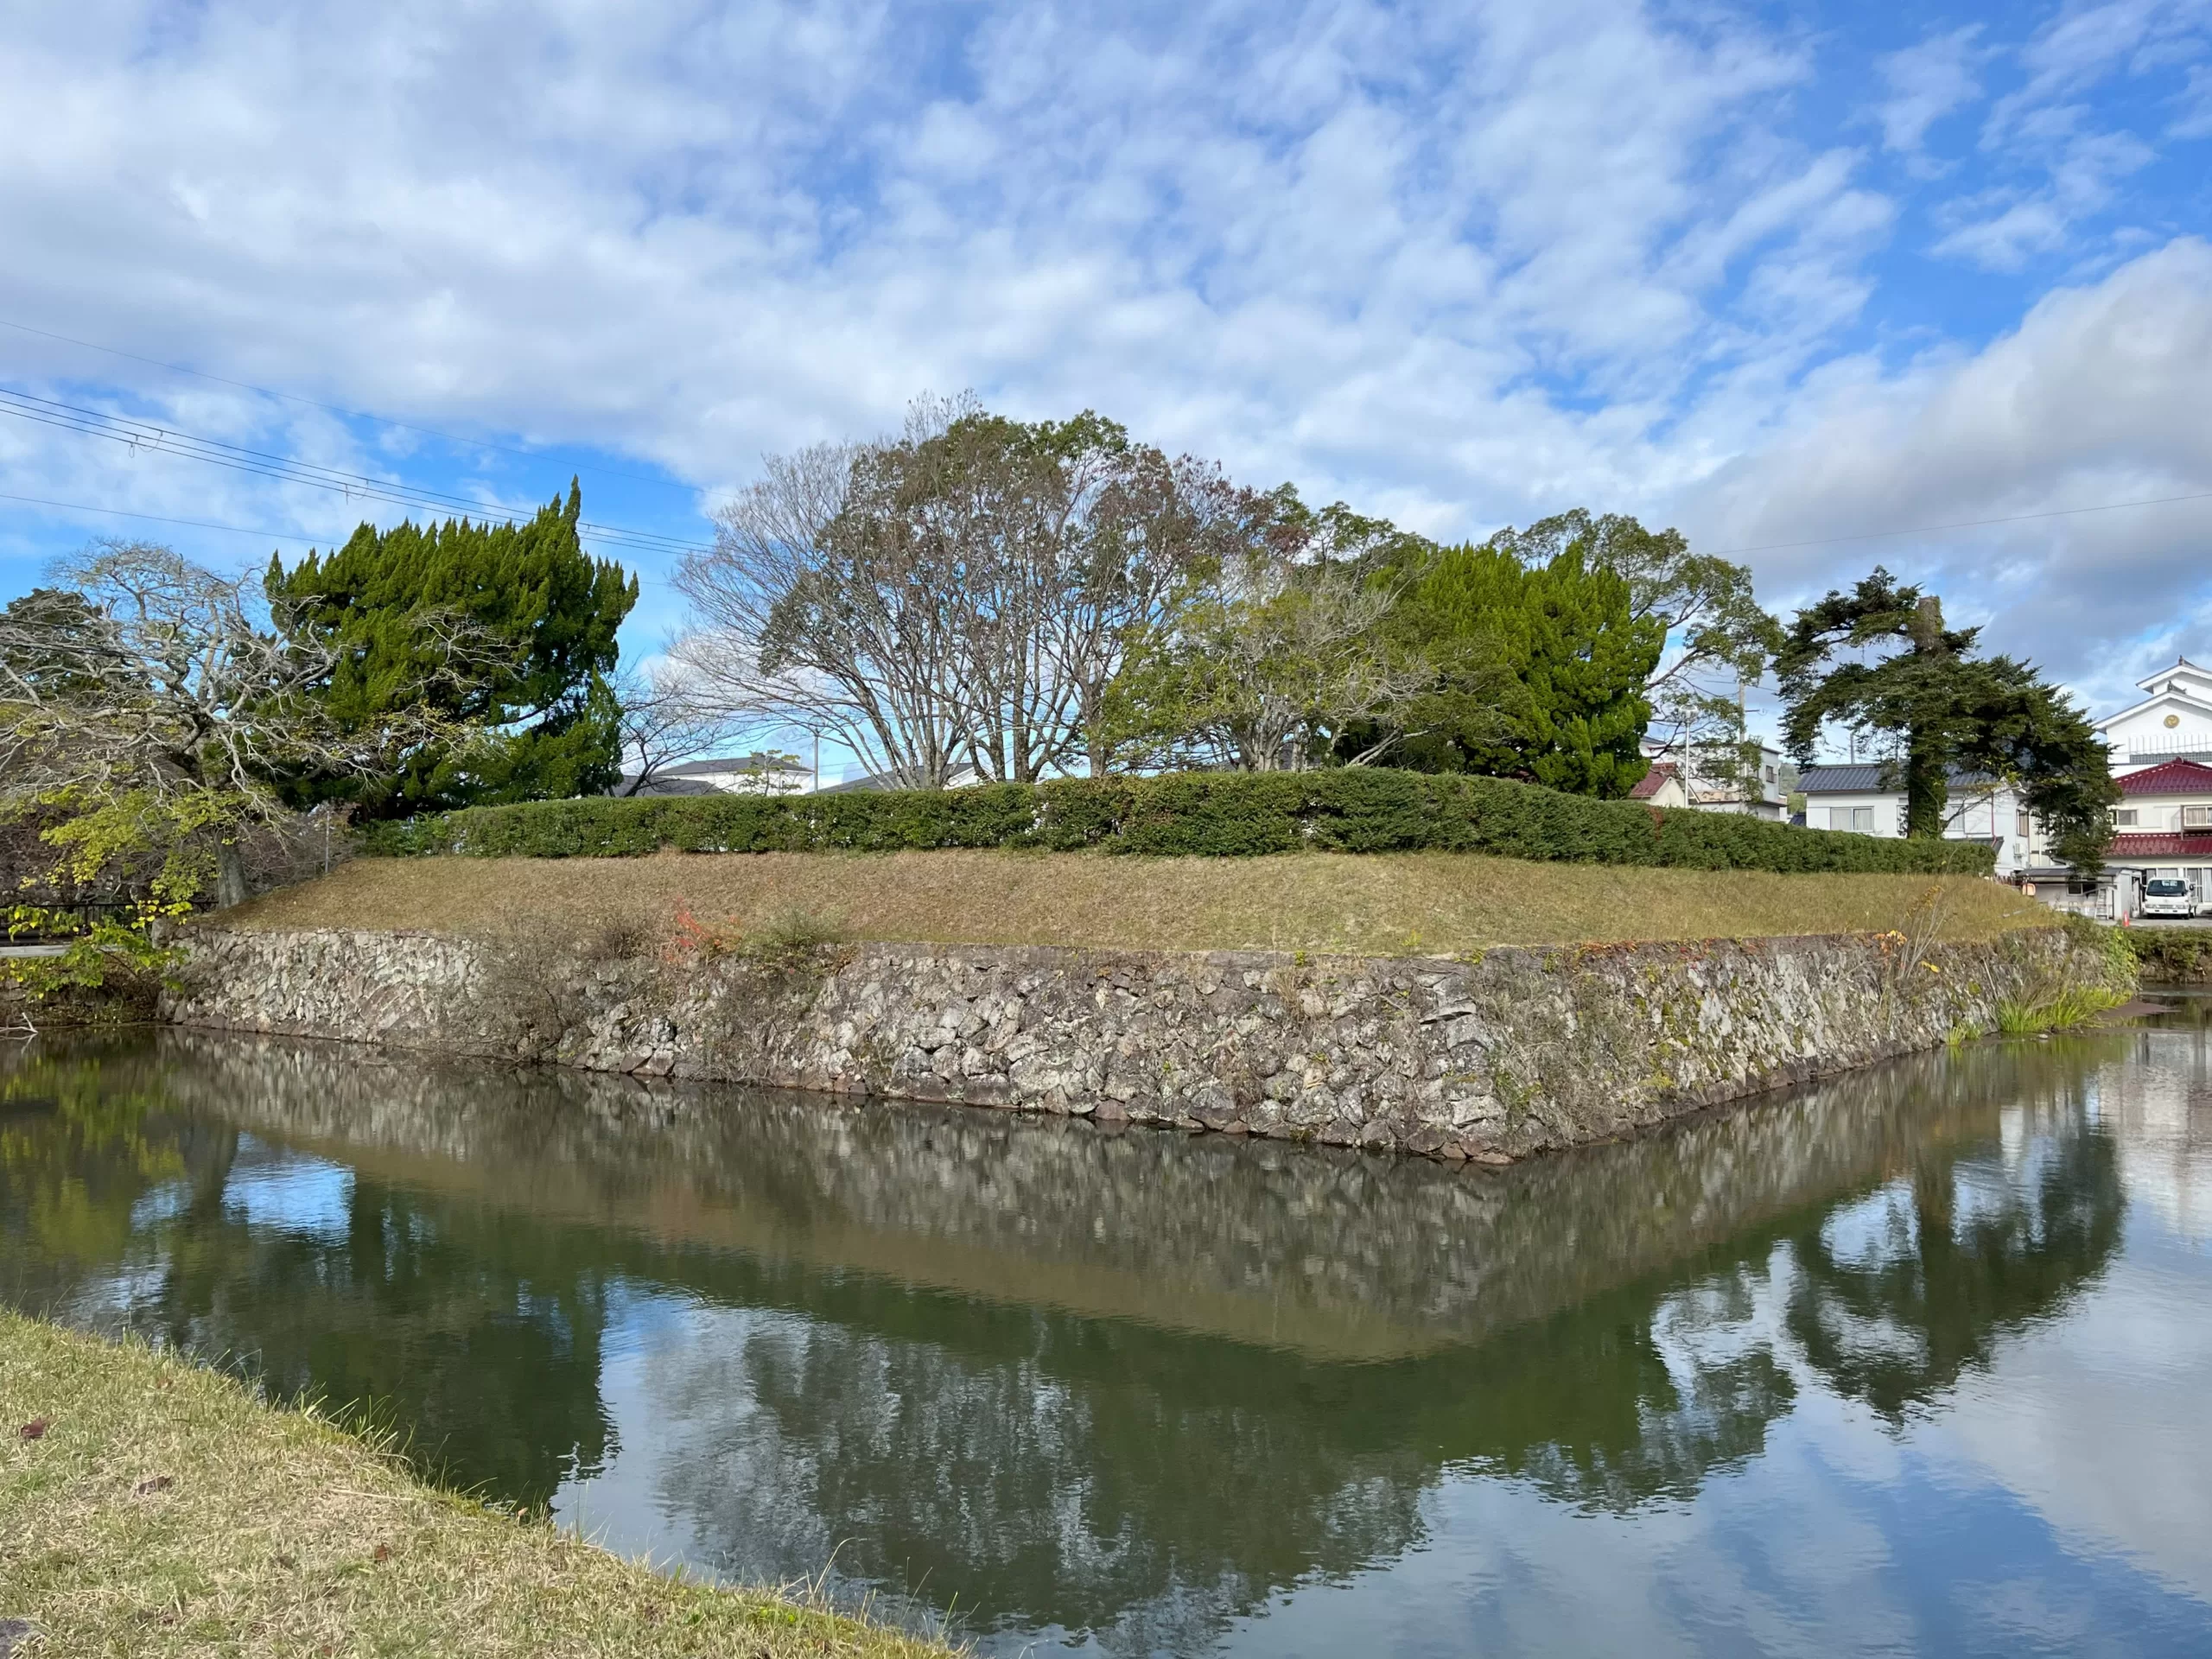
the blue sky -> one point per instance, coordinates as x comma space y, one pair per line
1775, 273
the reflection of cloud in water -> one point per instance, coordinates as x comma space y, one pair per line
288, 1191
2101, 1424
1690, 1393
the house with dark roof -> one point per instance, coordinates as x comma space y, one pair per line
1675, 780
1868, 800
1661, 786
737, 774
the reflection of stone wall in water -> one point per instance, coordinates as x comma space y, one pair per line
1327, 1252
1520, 1050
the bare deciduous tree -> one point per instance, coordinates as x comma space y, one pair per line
812, 615
146, 706
667, 720
964, 593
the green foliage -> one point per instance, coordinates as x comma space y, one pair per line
117, 954
508, 628
1350, 810
2177, 958
2067, 1009
1947, 709
1540, 661
180, 837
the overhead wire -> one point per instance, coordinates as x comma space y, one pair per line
149, 436
172, 440
336, 409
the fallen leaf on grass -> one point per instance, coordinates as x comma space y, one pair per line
35, 1429
382, 1553
156, 1483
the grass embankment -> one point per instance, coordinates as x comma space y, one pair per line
161, 1508
1370, 904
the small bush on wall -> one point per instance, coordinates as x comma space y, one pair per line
1348, 809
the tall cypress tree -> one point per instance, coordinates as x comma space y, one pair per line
534, 618
1540, 665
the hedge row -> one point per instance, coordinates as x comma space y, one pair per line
1214, 814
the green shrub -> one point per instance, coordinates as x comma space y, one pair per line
1348, 809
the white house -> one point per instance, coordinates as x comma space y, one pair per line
740, 774
2172, 722
1854, 797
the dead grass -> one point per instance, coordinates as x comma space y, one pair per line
161, 1509
1395, 904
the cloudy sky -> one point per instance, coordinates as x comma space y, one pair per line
1777, 273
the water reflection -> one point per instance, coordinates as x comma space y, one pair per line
1127, 1387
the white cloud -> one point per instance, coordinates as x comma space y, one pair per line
1458, 264
1926, 83
2096, 398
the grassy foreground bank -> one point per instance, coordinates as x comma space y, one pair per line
1370, 904
149, 1506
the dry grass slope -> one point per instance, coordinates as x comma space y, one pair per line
1381, 904
161, 1509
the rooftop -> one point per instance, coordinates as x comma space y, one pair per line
1653, 781
2188, 844
731, 763
2169, 778
1867, 779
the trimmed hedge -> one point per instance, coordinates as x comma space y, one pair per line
1351, 809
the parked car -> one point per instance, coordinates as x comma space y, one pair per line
2167, 895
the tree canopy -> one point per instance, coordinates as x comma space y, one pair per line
1919, 685
1536, 660
147, 705
961, 592
505, 629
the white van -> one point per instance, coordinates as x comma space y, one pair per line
2167, 895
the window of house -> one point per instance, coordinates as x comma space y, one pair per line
2125, 818
1862, 819
2022, 826
2196, 817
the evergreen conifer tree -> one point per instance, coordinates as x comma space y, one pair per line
1945, 707
509, 628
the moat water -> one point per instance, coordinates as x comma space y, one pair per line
1916, 1361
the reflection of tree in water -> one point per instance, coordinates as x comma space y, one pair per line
1041, 1465
1899, 1323
453, 1323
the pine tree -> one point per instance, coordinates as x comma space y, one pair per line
1945, 707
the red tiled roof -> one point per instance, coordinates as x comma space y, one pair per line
1652, 781
2197, 844
2170, 777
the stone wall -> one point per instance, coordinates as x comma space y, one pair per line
1491, 1057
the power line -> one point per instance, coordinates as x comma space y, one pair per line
157, 519
193, 523
150, 436
1964, 524
334, 409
